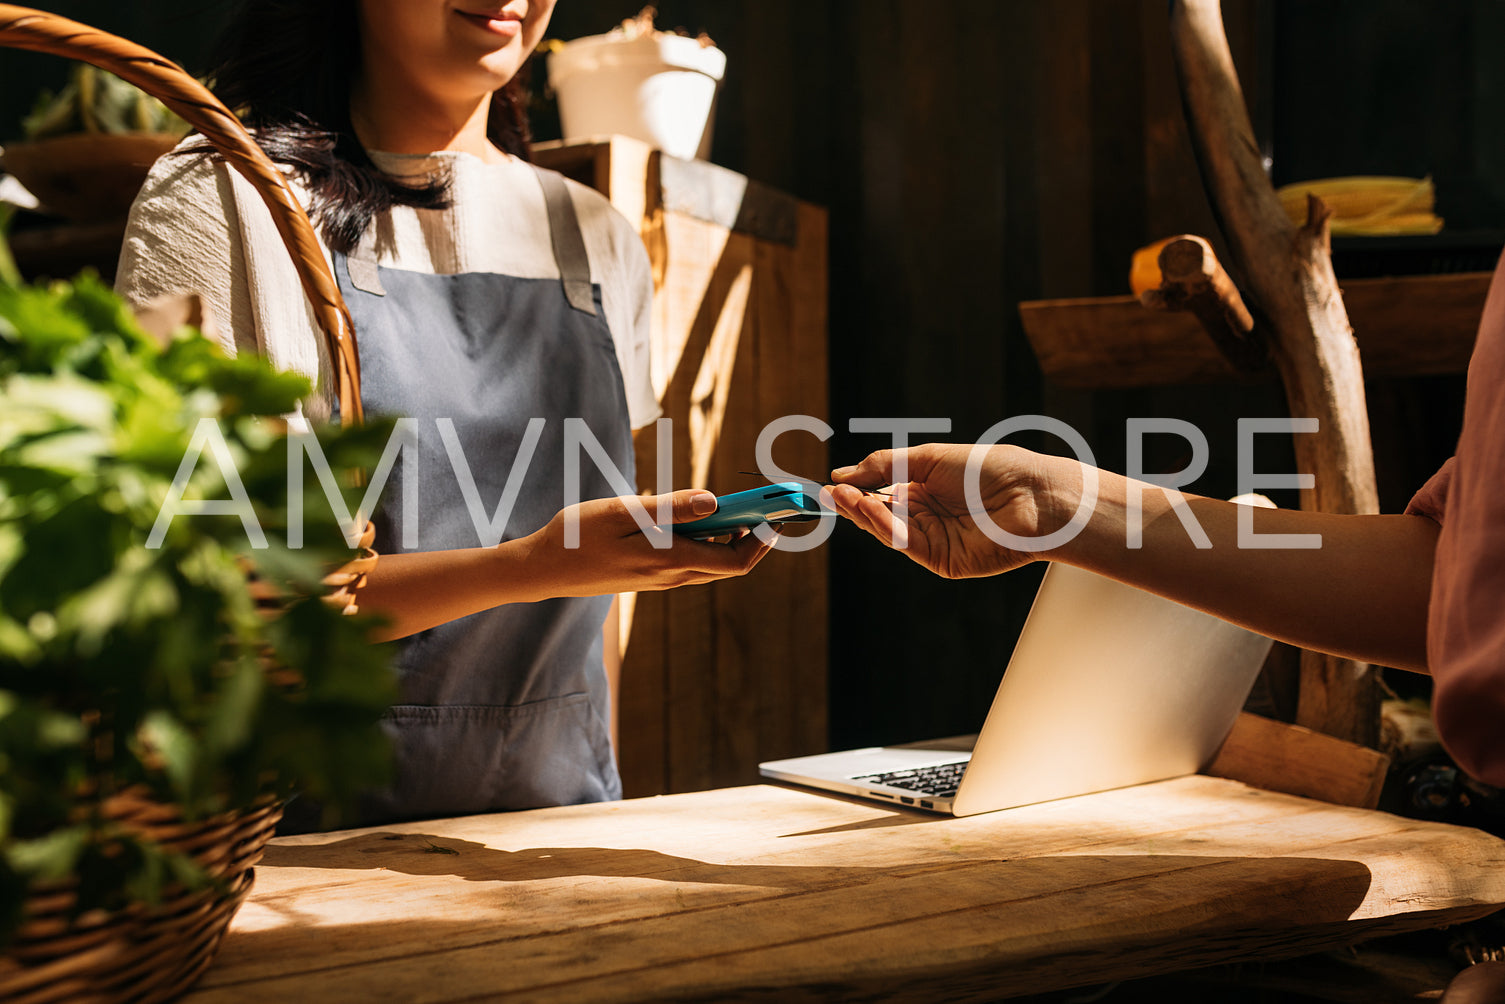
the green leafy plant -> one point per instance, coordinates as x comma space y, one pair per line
94, 100
130, 667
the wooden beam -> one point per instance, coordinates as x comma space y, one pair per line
1288, 274
1264, 753
1192, 280
1112, 341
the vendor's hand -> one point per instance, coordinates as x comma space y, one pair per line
941, 533
616, 555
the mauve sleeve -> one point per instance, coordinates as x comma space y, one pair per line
1431, 499
1466, 619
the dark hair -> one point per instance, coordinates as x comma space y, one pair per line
285, 67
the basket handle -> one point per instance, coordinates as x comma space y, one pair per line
25, 28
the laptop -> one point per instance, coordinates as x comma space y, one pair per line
1108, 686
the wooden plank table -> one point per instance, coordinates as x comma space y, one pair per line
768, 893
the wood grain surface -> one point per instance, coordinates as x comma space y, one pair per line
769, 893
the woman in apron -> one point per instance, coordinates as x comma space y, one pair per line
502, 314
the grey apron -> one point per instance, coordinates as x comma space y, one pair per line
507, 708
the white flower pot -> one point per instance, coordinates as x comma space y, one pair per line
659, 88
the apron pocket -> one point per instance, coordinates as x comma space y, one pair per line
461, 759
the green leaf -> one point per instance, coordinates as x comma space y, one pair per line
88, 298
12, 546
48, 858
238, 701
169, 738
70, 560
135, 593
9, 274
16, 643
59, 731
251, 385
67, 452
35, 405
97, 101
53, 114
144, 883
152, 433
32, 318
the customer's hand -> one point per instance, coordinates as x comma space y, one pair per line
615, 554
941, 531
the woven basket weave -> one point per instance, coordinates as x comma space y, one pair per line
141, 953
154, 952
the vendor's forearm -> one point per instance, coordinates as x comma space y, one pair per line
1362, 594
414, 592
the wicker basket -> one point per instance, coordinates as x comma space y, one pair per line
152, 953
139, 953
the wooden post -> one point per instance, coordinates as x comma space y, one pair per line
720, 676
1288, 273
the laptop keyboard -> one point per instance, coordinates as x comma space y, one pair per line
940, 780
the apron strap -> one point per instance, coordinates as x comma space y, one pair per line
569, 246
361, 263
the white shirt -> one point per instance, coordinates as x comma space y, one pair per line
197, 226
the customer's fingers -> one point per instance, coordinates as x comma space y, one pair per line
870, 514
875, 470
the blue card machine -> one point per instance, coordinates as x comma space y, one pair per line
785, 502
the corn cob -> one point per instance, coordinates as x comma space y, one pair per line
1400, 223
1359, 196
1367, 205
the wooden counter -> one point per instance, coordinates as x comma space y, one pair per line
767, 893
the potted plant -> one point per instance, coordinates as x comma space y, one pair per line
635, 80
86, 150
154, 708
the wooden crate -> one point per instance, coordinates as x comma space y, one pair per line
718, 677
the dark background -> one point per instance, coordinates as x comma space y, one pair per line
976, 153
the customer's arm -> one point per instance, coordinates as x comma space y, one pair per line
1362, 593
